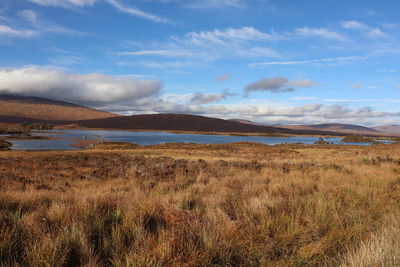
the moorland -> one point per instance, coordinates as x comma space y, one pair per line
242, 204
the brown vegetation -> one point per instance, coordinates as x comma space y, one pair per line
358, 139
4, 145
241, 204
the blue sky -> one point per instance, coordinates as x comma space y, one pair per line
269, 61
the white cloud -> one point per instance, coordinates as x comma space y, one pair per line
369, 32
163, 64
164, 53
64, 3
215, 4
206, 46
258, 52
354, 25
387, 70
8, 31
389, 25
28, 15
376, 33
65, 60
136, 12
386, 50
93, 88
320, 32
310, 61
38, 27
114, 3
226, 36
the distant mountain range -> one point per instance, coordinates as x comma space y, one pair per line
17, 109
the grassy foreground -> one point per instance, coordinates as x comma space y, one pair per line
201, 205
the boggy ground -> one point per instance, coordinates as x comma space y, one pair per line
201, 205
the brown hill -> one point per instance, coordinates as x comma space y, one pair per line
15, 108
247, 122
389, 129
184, 122
336, 127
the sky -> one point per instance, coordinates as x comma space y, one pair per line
269, 61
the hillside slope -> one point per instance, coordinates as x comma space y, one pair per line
389, 129
17, 108
336, 127
185, 122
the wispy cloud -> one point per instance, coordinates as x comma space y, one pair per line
257, 51
65, 60
114, 3
226, 36
310, 61
376, 33
37, 26
23, 33
215, 4
369, 32
354, 25
164, 64
321, 33
137, 12
206, 46
164, 53
28, 15
64, 3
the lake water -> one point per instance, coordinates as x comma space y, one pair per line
63, 139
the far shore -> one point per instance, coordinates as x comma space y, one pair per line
76, 127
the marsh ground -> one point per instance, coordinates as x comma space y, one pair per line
201, 205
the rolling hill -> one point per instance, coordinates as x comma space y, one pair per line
247, 122
19, 108
185, 122
389, 129
336, 127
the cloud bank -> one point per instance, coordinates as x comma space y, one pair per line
132, 96
91, 89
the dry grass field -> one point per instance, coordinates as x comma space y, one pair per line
201, 205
